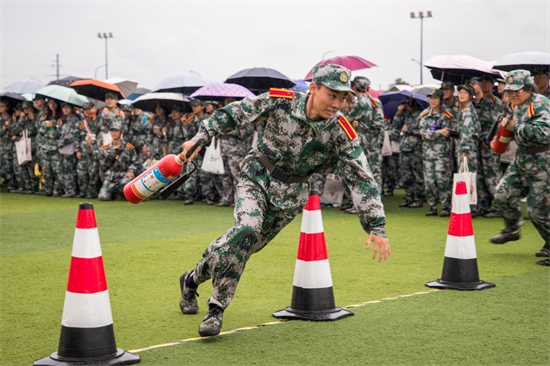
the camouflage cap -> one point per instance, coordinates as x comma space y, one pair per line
541, 70
332, 76
468, 88
361, 83
115, 125
87, 106
517, 79
126, 108
447, 85
177, 107
111, 95
38, 97
27, 105
197, 102
437, 93
18, 107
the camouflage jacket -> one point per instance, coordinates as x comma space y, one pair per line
191, 128
454, 110
6, 134
50, 135
155, 143
86, 125
469, 129
24, 123
361, 111
435, 145
122, 159
104, 121
532, 128
175, 135
489, 109
139, 128
546, 93
69, 132
412, 140
299, 146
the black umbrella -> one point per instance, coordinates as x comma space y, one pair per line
11, 98
260, 79
459, 68
66, 81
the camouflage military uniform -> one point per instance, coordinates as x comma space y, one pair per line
489, 110
6, 150
264, 205
157, 144
105, 120
529, 173
69, 134
87, 168
52, 157
199, 178
390, 164
139, 128
27, 181
410, 159
437, 158
375, 138
176, 137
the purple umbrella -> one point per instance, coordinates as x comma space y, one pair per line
221, 91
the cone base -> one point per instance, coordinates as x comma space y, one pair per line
464, 286
317, 316
120, 358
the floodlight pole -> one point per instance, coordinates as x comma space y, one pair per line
421, 17
106, 36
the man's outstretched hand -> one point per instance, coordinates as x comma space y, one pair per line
381, 247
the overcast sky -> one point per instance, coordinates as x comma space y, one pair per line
154, 39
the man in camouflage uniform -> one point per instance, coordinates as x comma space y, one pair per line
51, 158
127, 120
190, 128
117, 160
87, 166
528, 173
469, 130
489, 110
410, 160
6, 149
303, 134
435, 124
69, 137
176, 137
541, 75
26, 125
139, 128
109, 114
157, 142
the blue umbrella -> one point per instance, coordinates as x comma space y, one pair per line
301, 85
391, 101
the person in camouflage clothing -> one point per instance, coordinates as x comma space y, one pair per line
303, 134
50, 133
6, 150
450, 103
16, 132
529, 172
176, 137
87, 166
117, 160
410, 160
541, 76
40, 105
435, 128
26, 125
139, 128
469, 130
68, 146
108, 115
157, 142
489, 110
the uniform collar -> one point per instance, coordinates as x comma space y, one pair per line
299, 106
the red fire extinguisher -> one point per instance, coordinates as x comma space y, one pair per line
156, 177
499, 144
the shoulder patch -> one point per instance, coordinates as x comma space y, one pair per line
492, 99
119, 113
531, 110
425, 112
464, 110
130, 146
105, 146
281, 93
448, 114
373, 102
346, 126
82, 125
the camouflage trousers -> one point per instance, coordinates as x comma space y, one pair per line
527, 175
7, 168
112, 185
52, 167
490, 174
87, 176
438, 182
261, 212
232, 155
191, 186
317, 182
390, 171
67, 173
412, 176
24, 175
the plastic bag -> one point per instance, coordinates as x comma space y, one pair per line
213, 162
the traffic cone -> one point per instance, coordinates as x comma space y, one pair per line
460, 266
87, 334
312, 296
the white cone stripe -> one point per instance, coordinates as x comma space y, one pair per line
461, 204
86, 243
460, 247
87, 310
314, 274
312, 222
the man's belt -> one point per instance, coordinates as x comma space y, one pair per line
281, 175
533, 150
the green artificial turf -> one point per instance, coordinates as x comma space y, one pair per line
146, 247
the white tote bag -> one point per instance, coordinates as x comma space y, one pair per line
386, 147
24, 149
464, 175
333, 190
213, 162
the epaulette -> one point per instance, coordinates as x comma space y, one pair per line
346, 126
373, 102
105, 146
512, 106
281, 93
531, 109
492, 99
44, 118
448, 114
119, 113
425, 112
82, 125
464, 109
130, 146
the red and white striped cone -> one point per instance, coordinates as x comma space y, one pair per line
312, 296
460, 270
87, 334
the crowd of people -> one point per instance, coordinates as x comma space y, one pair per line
92, 153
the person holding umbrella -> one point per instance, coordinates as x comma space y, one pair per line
139, 127
304, 134
50, 132
68, 147
541, 75
176, 137
6, 127
156, 141
110, 113
87, 168
26, 125
528, 173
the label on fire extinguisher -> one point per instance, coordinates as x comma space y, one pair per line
151, 183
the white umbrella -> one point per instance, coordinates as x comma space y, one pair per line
127, 87
522, 60
148, 102
185, 83
459, 68
21, 87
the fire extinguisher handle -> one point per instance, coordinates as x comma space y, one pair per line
192, 149
178, 182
